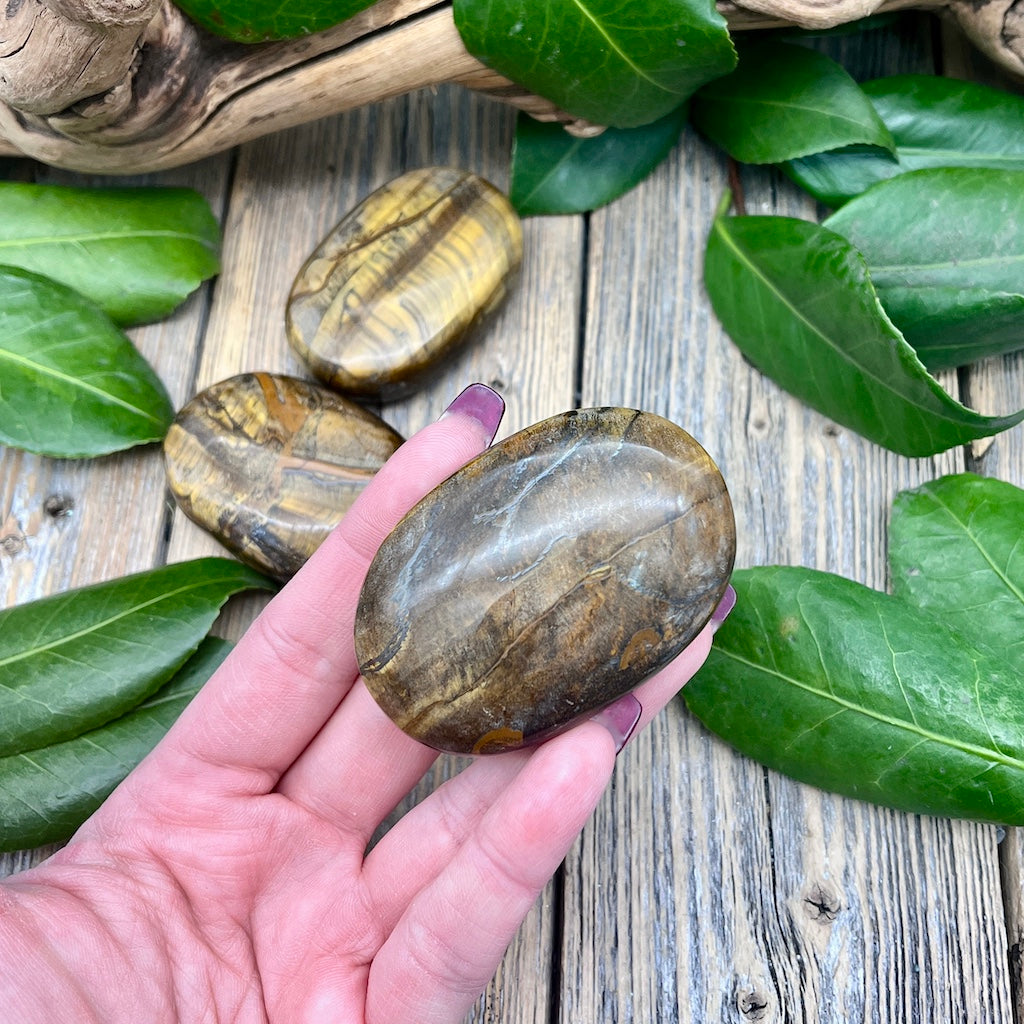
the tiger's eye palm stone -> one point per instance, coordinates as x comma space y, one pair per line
398, 284
543, 580
269, 464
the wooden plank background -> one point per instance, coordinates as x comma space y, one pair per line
706, 888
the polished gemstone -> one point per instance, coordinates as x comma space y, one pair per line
546, 578
269, 464
398, 285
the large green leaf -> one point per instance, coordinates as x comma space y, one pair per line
944, 247
256, 21
74, 661
137, 253
860, 693
972, 324
935, 122
552, 172
46, 794
796, 298
71, 383
837, 176
613, 63
956, 548
785, 101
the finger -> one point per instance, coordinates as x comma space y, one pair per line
427, 838
381, 764
654, 693
631, 713
358, 768
447, 946
432, 832
296, 663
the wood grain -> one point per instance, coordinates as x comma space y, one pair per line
993, 385
289, 190
990, 386
707, 888
527, 352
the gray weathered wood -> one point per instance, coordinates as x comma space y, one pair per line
992, 386
707, 888
288, 191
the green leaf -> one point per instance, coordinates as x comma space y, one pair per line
137, 253
74, 661
71, 383
552, 172
797, 300
46, 794
860, 693
256, 21
973, 324
785, 101
939, 241
935, 122
956, 551
615, 64
837, 176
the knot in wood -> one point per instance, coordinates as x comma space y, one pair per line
58, 506
822, 903
752, 1004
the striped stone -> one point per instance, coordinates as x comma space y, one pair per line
398, 285
269, 464
546, 578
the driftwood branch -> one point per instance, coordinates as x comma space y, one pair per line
123, 86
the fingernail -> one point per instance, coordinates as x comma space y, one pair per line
620, 718
726, 605
480, 403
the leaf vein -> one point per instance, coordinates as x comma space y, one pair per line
945, 400
995, 756
65, 378
618, 49
96, 627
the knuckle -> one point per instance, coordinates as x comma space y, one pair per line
299, 652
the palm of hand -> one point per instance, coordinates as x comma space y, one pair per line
228, 878
280, 916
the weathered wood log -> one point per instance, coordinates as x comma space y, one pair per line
125, 87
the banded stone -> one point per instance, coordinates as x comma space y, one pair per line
400, 282
543, 580
269, 464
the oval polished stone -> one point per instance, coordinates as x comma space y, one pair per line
543, 580
398, 284
269, 464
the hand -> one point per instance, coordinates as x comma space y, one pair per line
227, 878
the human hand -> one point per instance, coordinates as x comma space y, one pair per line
227, 878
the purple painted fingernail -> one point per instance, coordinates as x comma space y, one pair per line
480, 403
620, 718
726, 605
